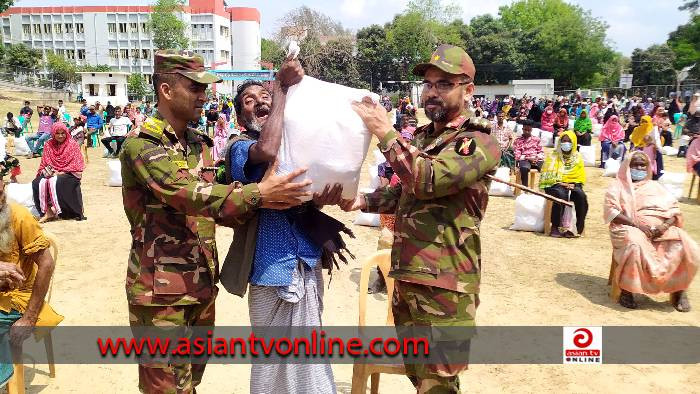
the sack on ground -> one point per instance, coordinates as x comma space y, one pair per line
588, 154
669, 151
597, 128
114, 167
674, 182
547, 139
21, 147
612, 166
529, 213
20, 193
366, 219
498, 188
333, 146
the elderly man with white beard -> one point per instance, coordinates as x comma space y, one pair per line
26, 267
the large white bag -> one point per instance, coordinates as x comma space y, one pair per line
498, 188
20, 193
669, 151
367, 219
21, 147
588, 153
115, 173
612, 166
597, 128
331, 144
673, 182
529, 213
547, 139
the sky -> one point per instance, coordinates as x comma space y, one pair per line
633, 23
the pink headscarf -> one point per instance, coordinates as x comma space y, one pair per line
612, 130
63, 157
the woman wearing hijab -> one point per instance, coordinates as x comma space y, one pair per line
653, 253
561, 122
563, 176
547, 120
611, 140
220, 138
583, 127
57, 184
594, 113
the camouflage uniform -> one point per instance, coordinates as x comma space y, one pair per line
436, 257
173, 206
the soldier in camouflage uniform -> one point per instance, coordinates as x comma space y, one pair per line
173, 206
439, 204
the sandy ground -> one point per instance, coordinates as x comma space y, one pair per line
528, 279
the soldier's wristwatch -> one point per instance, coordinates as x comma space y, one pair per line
254, 198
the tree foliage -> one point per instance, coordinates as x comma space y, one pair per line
19, 55
169, 31
5, 4
653, 66
95, 68
685, 43
271, 52
136, 86
61, 69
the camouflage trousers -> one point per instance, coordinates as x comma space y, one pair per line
420, 305
168, 378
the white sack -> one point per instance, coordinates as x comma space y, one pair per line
498, 188
331, 144
529, 213
367, 219
374, 181
588, 154
536, 132
3, 147
114, 167
612, 166
21, 147
547, 139
669, 151
674, 182
20, 193
597, 128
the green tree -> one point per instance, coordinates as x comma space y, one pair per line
375, 62
136, 86
19, 55
61, 69
435, 10
685, 43
561, 40
271, 52
95, 68
5, 4
690, 5
653, 66
169, 31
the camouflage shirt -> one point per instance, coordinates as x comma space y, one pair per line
173, 206
439, 203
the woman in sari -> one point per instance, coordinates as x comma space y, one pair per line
57, 184
583, 127
653, 253
563, 176
220, 138
594, 113
561, 122
611, 138
547, 120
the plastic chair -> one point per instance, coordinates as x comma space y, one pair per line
531, 182
16, 383
360, 372
692, 183
548, 216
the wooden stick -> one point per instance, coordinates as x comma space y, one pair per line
533, 191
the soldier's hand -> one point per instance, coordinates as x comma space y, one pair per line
355, 204
374, 116
290, 73
329, 196
279, 192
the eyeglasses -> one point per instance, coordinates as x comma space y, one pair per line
441, 86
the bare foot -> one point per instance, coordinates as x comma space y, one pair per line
627, 299
679, 300
13, 179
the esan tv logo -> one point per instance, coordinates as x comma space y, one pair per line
583, 345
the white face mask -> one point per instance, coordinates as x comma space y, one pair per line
566, 146
638, 175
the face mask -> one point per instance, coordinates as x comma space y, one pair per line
638, 175
549, 112
566, 146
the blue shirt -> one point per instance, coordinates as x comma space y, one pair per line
94, 121
281, 244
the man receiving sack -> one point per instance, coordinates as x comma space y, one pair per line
439, 204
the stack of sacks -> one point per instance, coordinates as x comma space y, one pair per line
21, 147
669, 151
612, 166
366, 219
22, 194
589, 155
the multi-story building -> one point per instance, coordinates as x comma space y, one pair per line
119, 36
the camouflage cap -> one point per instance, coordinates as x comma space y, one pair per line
185, 63
450, 59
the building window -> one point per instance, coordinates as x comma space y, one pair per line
134, 27
149, 79
37, 28
111, 89
91, 88
124, 53
70, 54
47, 28
145, 53
68, 27
57, 28
27, 29
61, 52
224, 55
113, 54
144, 27
81, 54
122, 27
79, 28
135, 53
112, 27
224, 31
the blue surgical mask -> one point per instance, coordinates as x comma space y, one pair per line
638, 175
566, 146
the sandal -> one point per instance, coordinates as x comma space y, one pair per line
680, 302
627, 300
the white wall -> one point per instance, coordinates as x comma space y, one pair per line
102, 80
246, 45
